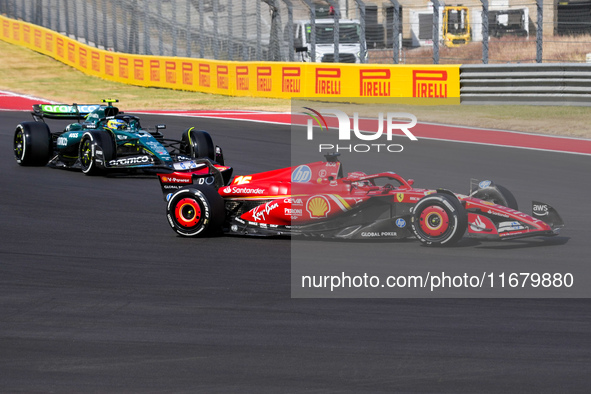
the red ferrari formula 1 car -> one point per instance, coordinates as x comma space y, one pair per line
315, 199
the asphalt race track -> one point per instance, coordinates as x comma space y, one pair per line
97, 294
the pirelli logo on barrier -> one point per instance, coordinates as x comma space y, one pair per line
38, 38
170, 72
95, 61
138, 69
16, 31
291, 81
124, 67
223, 77
109, 66
264, 81
27, 34
83, 57
242, 78
71, 52
6, 29
187, 73
60, 47
49, 42
429, 83
328, 81
204, 75
155, 70
374, 82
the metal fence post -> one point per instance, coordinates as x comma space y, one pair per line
275, 33
49, 25
539, 31
174, 27
258, 50
201, 26
75, 18
114, 17
125, 22
105, 37
230, 31
435, 31
216, 38
134, 37
67, 12
244, 42
289, 27
484, 31
395, 31
38, 13
312, 9
336, 29
363, 51
147, 50
15, 6
188, 28
85, 20
160, 39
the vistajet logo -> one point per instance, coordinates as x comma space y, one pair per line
392, 123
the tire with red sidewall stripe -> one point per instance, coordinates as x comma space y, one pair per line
439, 220
196, 211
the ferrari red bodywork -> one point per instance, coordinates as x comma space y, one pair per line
316, 199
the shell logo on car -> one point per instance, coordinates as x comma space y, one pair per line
318, 207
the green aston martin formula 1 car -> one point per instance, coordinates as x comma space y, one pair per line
105, 140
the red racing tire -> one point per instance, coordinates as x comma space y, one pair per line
196, 212
439, 220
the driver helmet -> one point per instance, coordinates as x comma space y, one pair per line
116, 124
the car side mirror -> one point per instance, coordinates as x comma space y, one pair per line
160, 126
301, 49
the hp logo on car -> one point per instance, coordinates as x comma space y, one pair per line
301, 174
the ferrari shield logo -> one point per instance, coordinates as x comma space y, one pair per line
399, 197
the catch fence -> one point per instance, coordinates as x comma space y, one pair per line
377, 31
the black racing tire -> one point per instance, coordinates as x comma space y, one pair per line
32, 144
198, 144
196, 211
439, 220
498, 195
95, 150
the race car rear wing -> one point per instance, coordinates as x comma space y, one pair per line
192, 173
62, 111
